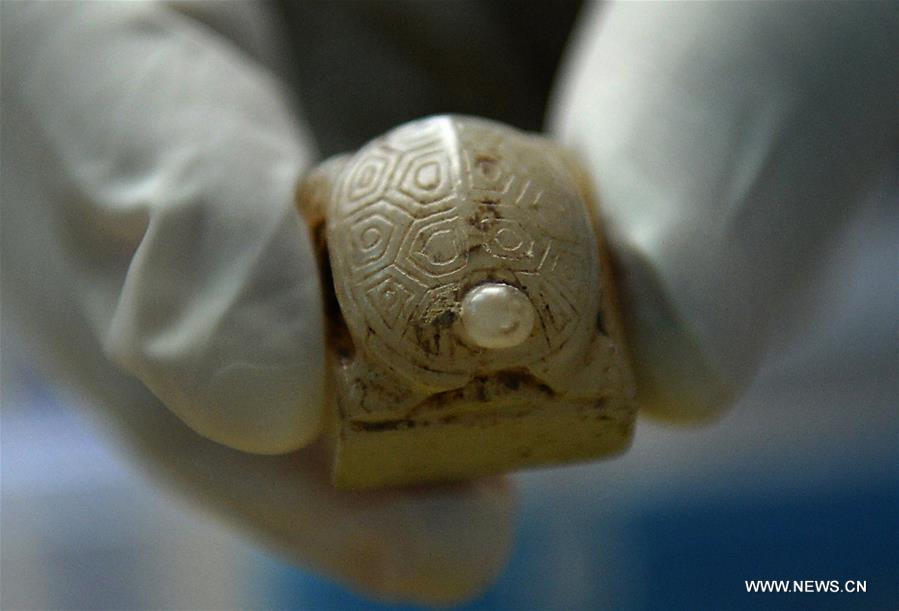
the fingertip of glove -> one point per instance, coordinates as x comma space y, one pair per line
442, 546
676, 381
688, 398
679, 379
262, 410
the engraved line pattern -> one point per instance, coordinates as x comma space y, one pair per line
437, 206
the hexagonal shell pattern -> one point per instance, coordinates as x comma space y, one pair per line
428, 211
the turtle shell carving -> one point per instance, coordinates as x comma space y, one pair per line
423, 215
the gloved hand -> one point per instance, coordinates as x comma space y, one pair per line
149, 170
150, 220
729, 144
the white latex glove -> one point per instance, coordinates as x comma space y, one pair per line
149, 169
729, 142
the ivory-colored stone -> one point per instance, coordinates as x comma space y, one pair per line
472, 319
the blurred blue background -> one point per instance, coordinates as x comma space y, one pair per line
799, 481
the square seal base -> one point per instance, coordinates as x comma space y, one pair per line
477, 439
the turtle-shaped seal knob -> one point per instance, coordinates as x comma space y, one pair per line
472, 318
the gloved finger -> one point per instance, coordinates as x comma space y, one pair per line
169, 186
726, 142
426, 546
256, 28
437, 545
429, 546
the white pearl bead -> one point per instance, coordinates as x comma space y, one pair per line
497, 316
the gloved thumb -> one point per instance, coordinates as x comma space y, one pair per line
174, 162
728, 143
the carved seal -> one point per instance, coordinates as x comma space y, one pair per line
465, 276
